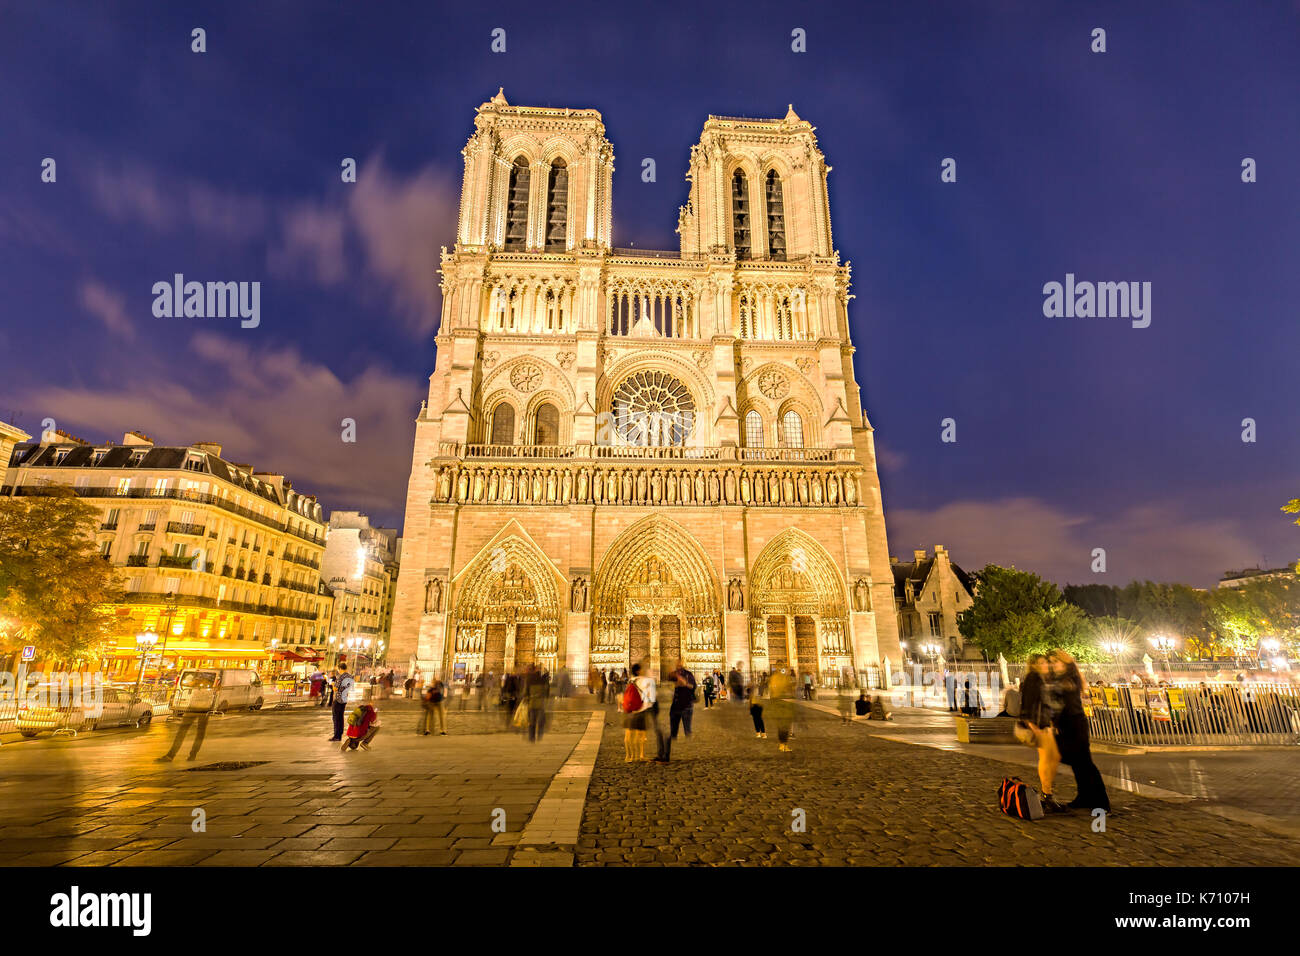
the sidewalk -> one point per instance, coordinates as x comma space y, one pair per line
1256, 787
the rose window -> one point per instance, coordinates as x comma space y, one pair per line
653, 408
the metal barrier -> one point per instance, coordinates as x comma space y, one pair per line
1258, 713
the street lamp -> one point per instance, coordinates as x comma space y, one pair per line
145, 642
1163, 644
170, 607
1115, 648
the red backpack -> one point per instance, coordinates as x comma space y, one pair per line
631, 698
1018, 800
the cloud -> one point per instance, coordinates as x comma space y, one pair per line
398, 225
107, 306
1155, 541
402, 224
272, 408
170, 204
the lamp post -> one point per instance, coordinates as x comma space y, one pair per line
334, 654
932, 651
170, 607
144, 642
1163, 646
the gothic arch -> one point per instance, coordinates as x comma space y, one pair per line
509, 583
794, 580
656, 568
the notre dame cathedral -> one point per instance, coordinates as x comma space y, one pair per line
630, 455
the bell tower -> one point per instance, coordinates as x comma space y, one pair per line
536, 180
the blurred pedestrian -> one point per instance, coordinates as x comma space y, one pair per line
536, 692
682, 706
634, 706
435, 709
1072, 732
781, 707
756, 712
342, 695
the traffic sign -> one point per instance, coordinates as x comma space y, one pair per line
29, 652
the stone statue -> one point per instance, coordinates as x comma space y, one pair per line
578, 595
582, 485
744, 487
550, 485
508, 487
444, 484
735, 595
850, 490
493, 485
833, 489
699, 487
715, 489
433, 596
730, 487
861, 596
462, 486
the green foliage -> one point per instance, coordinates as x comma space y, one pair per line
1017, 613
53, 583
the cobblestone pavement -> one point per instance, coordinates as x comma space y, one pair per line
100, 799
728, 798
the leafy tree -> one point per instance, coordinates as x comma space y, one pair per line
1017, 613
1095, 600
53, 584
1247, 614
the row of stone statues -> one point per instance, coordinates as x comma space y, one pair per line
659, 486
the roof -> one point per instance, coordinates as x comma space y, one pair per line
918, 572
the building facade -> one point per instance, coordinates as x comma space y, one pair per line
360, 567
219, 561
931, 593
628, 454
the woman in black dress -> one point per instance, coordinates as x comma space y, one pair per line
1072, 732
1037, 711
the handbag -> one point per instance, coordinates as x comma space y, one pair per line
520, 718
1025, 735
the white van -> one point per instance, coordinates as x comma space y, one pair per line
204, 689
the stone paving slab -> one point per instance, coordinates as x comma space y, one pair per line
101, 800
731, 799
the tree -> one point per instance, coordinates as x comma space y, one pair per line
53, 583
1017, 613
1247, 614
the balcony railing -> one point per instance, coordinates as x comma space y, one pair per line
194, 600
148, 527
174, 561
297, 586
137, 561
172, 494
108, 526
180, 527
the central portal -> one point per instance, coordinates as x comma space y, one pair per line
670, 644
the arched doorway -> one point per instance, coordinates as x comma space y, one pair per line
798, 612
656, 597
505, 611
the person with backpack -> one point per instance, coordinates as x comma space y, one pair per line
710, 691
1034, 727
434, 705
363, 724
1071, 726
634, 706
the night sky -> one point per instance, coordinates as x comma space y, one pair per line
1072, 433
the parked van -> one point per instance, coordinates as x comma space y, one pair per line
217, 689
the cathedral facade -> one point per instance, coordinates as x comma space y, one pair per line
629, 455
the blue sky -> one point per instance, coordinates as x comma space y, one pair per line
1072, 434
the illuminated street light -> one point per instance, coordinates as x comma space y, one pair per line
145, 642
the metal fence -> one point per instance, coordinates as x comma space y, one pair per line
1197, 714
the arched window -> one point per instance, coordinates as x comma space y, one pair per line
546, 429
753, 429
503, 424
792, 429
775, 216
517, 205
557, 206
740, 222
